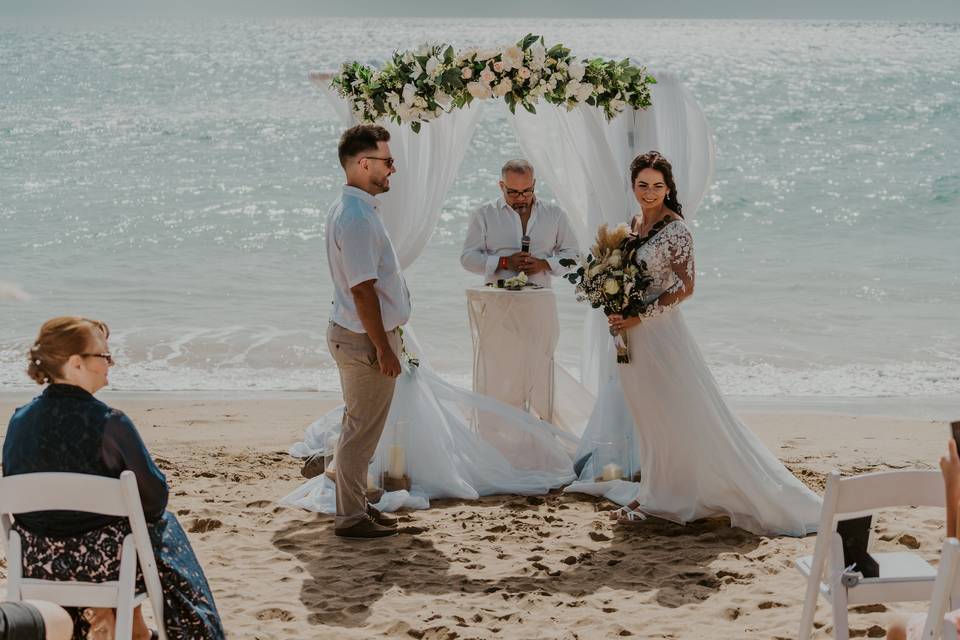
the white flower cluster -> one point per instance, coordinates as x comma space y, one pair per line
417, 86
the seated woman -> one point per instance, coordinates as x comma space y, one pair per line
912, 628
66, 429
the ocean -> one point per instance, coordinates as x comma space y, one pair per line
171, 177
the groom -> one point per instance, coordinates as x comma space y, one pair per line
370, 302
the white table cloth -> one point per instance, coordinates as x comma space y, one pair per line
515, 334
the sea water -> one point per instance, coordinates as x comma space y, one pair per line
172, 177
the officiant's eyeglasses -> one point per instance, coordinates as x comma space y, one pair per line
106, 356
513, 193
386, 161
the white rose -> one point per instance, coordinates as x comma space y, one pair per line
432, 66
611, 287
572, 89
479, 90
523, 73
467, 73
393, 100
408, 58
486, 54
409, 93
584, 92
618, 105
487, 76
420, 102
503, 88
442, 99
424, 50
576, 71
538, 56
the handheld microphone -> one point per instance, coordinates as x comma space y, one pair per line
525, 244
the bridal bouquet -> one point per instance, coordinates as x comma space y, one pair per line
609, 278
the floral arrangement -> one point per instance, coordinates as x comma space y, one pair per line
609, 278
417, 86
516, 283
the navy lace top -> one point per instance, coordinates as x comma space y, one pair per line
66, 429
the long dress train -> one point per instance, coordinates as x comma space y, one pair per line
696, 457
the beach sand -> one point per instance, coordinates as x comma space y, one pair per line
503, 566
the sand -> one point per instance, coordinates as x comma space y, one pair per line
503, 566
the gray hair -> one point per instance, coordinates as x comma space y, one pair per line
516, 166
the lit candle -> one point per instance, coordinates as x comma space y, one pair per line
398, 463
611, 472
371, 483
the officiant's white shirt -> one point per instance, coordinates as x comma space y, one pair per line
359, 249
495, 231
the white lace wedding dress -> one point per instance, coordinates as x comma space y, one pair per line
695, 457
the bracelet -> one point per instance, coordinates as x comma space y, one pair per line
502, 263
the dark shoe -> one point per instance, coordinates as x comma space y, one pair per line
313, 466
364, 530
381, 518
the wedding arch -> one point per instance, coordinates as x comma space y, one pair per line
580, 132
580, 124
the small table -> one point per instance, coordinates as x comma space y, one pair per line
515, 334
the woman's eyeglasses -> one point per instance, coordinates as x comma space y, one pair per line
106, 356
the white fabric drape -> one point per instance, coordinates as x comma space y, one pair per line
586, 161
437, 422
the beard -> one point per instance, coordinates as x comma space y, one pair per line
382, 184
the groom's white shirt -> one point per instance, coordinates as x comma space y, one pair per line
495, 231
359, 249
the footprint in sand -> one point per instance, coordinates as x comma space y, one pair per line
259, 504
202, 525
274, 613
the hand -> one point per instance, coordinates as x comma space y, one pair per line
950, 468
515, 261
619, 323
389, 363
531, 265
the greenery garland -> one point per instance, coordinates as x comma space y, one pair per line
418, 86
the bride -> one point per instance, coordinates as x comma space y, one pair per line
696, 458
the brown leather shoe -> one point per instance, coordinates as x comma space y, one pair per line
381, 518
365, 530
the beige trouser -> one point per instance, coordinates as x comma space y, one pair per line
367, 395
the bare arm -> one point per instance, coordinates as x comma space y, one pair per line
950, 468
368, 308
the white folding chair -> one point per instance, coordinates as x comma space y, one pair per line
904, 576
92, 494
946, 594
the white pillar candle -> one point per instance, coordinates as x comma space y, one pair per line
398, 464
611, 472
371, 483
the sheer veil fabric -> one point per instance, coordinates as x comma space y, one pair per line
663, 414
585, 160
434, 422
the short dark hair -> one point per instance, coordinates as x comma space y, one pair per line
356, 140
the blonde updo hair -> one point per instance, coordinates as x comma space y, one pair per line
59, 339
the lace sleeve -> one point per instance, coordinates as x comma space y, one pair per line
678, 243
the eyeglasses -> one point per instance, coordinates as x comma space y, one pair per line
387, 161
513, 193
106, 356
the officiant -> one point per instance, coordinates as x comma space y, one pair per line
515, 333
494, 246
